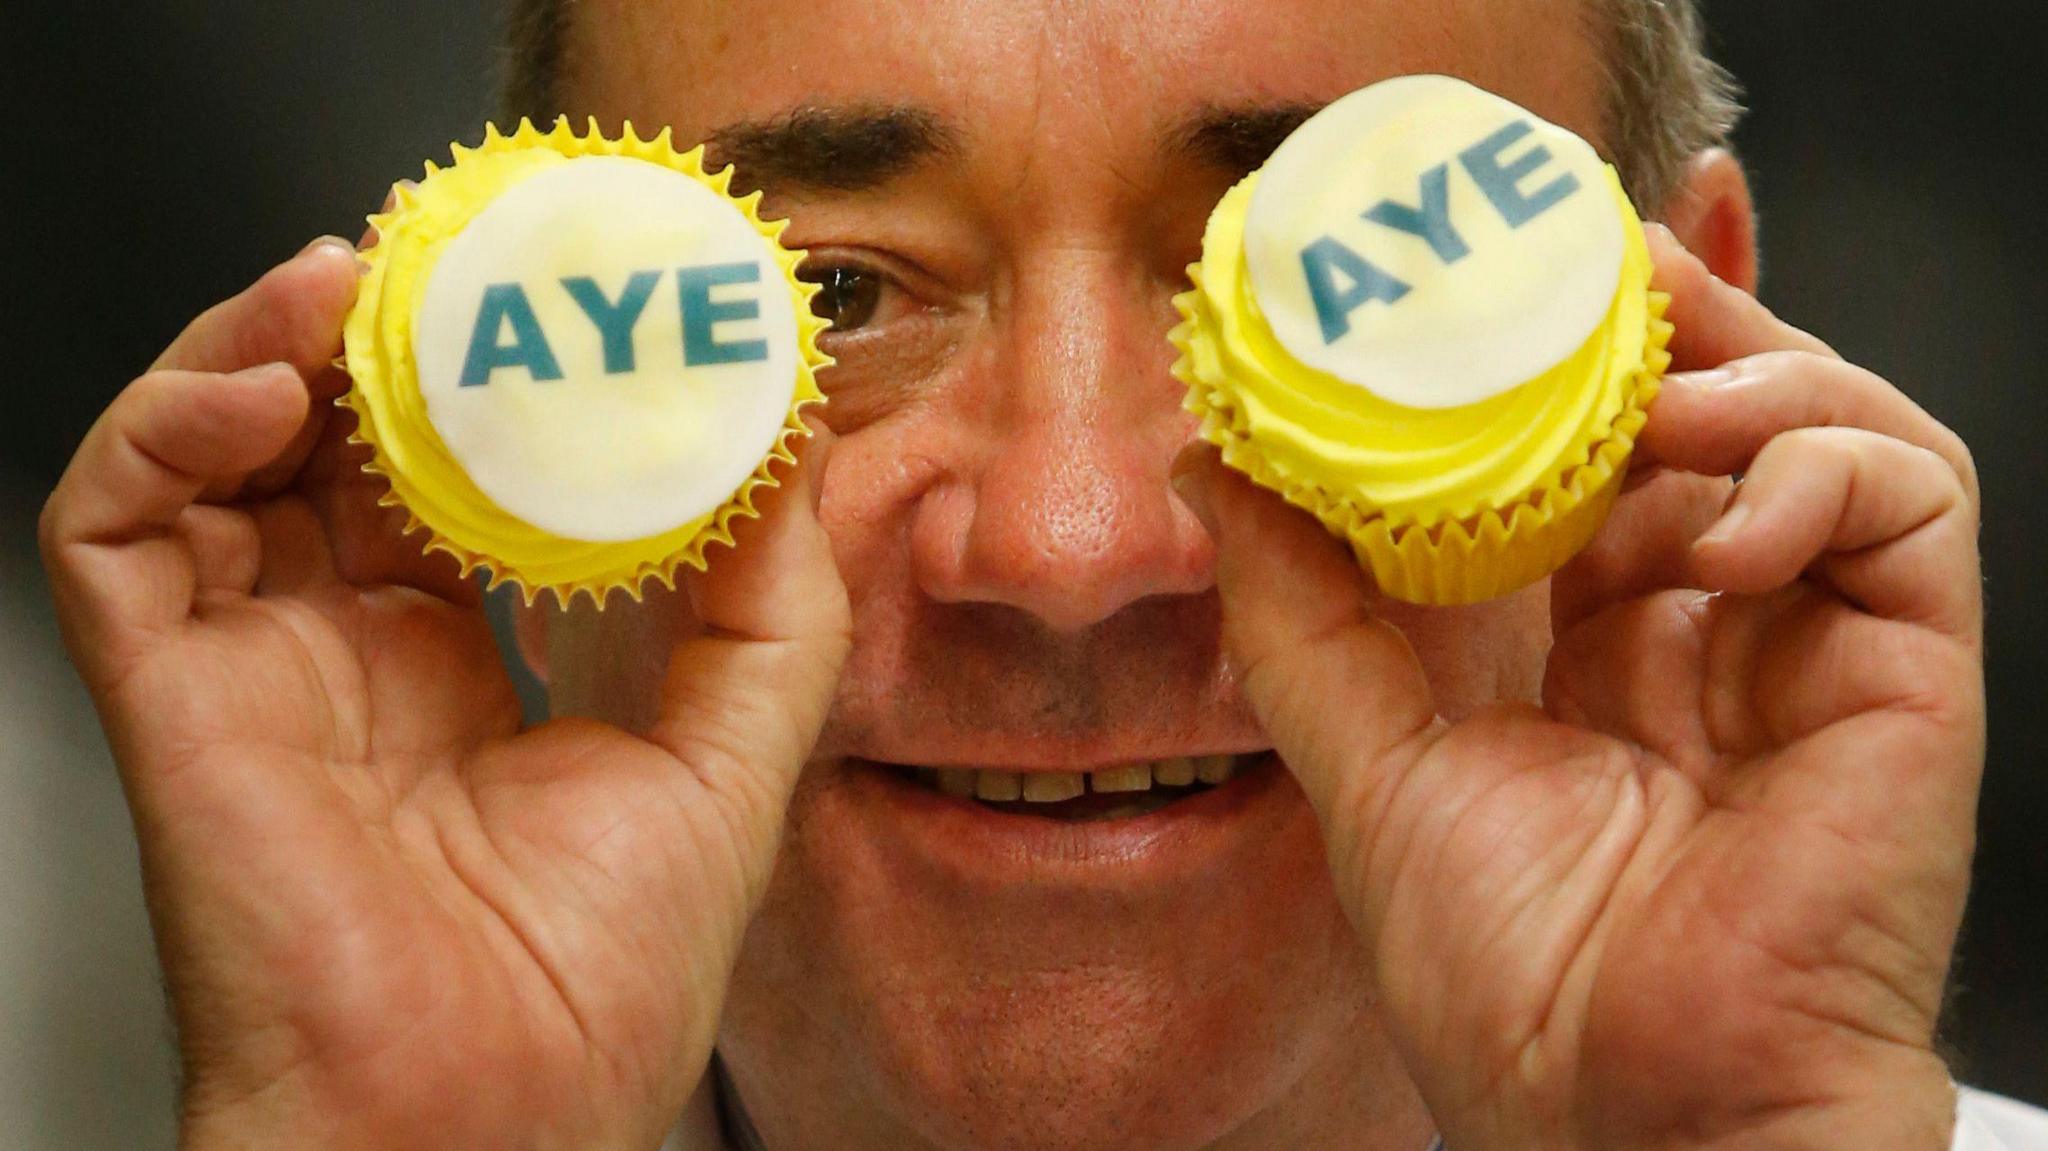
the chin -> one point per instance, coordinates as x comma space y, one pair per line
1037, 1005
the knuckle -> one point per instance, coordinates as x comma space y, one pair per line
1901, 460
1892, 459
267, 322
207, 328
1957, 449
156, 386
1779, 363
1960, 491
244, 330
1956, 452
1930, 463
1920, 469
151, 394
150, 382
1835, 385
50, 528
1823, 450
1824, 439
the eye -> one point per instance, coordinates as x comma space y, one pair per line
847, 296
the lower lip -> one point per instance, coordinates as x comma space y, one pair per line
981, 846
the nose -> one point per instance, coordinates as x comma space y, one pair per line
1066, 510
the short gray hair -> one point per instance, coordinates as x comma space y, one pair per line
1668, 99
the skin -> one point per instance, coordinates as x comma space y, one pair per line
1668, 854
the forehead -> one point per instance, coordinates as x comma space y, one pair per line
1062, 73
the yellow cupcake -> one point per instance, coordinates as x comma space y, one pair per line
1428, 320
577, 358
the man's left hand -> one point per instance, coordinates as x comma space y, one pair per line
1706, 894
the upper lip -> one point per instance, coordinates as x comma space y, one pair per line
1089, 765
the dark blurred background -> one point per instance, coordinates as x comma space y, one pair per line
159, 155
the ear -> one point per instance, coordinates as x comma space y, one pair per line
1714, 217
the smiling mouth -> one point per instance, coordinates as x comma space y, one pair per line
1126, 791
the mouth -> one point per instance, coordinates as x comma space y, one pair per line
1120, 792
1122, 831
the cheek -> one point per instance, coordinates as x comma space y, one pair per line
872, 486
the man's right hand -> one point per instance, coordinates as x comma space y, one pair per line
387, 916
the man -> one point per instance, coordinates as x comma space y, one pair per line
1670, 853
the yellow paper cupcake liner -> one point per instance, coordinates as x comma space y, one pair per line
1456, 560
425, 478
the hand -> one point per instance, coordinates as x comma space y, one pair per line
1705, 896
387, 916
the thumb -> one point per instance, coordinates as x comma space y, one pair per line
746, 695
1337, 690
731, 674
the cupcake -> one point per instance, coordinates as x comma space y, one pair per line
577, 359
1428, 321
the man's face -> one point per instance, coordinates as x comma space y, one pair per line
1003, 198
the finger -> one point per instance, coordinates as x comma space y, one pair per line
115, 560
1333, 687
1715, 423
777, 583
295, 557
1760, 691
293, 315
817, 457
1716, 321
747, 691
1645, 546
366, 541
1636, 674
619, 649
1886, 523
227, 550
322, 389
326, 383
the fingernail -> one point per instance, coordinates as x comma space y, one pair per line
263, 376
1727, 527
334, 242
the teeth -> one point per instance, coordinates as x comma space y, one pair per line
998, 786
1134, 779
1176, 772
1054, 786
1123, 780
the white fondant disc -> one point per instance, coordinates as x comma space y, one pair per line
1433, 243
600, 453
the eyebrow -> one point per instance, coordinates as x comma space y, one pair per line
838, 149
1238, 138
